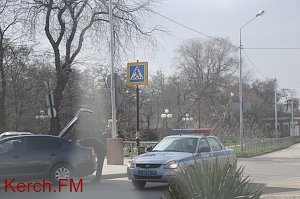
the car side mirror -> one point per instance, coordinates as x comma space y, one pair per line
149, 148
204, 149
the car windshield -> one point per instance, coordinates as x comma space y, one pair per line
177, 145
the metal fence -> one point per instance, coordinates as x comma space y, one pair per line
130, 147
267, 144
251, 146
257, 145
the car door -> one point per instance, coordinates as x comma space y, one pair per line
204, 152
217, 149
11, 151
41, 153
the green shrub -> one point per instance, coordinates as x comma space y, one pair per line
212, 181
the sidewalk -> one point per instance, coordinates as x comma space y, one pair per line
112, 171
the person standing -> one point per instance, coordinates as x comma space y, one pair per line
100, 150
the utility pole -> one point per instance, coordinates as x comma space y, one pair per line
113, 86
276, 119
292, 104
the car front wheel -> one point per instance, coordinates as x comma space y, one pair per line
138, 184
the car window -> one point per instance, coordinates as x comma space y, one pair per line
203, 143
9, 145
214, 144
177, 145
42, 144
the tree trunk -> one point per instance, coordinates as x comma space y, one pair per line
61, 83
3, 89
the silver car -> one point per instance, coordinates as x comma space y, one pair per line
172, 153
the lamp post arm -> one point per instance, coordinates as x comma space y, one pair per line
248, 22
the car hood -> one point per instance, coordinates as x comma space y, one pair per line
161, 157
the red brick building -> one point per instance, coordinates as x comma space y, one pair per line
284, 126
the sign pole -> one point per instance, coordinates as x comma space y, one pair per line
137, 115
50, 99
137, 111
137, 74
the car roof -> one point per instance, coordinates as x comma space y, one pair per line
32, 135
13, 133
16, 133
39, 135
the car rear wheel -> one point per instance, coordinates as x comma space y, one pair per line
61, 172
138, 184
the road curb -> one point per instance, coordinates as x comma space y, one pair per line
280, 197
113, 176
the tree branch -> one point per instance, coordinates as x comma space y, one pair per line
81, 37
62, 24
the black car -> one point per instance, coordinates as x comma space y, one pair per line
44, 157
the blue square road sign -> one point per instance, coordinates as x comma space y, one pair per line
137, 73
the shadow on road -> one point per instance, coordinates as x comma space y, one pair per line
280, 190
267, 190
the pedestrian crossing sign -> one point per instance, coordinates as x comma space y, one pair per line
137, 73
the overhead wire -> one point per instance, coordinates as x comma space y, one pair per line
187, 27
252, 63
215, 38
273, 48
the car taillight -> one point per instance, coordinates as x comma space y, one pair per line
92, 154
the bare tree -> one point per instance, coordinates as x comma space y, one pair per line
66, 24
25, 90
16, 61
204, 65
9, 14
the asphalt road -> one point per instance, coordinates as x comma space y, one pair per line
107, 189
278, 173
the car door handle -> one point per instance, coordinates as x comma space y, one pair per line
52, 154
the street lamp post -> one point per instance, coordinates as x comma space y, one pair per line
240, 80
166, 116
186, 119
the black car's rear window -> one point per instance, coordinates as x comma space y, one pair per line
42, 143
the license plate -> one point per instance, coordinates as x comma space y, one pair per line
146, 173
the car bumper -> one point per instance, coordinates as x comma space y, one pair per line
162, 175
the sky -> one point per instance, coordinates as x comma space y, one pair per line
278, 27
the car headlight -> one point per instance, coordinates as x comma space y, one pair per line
130, 164
171, 165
